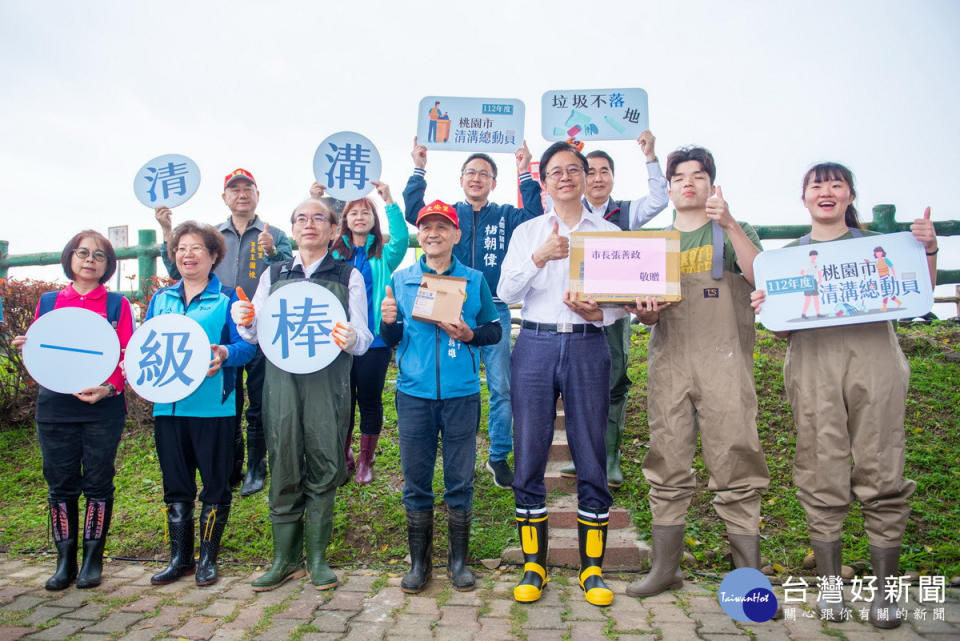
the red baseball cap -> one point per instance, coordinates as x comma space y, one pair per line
439, 208
238, 174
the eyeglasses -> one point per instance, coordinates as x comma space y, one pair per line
318, 219
83, 253
476, 173
573, 171
190, 249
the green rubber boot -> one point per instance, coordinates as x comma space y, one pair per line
287, 557
317, 525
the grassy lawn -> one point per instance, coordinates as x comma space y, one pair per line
370, 525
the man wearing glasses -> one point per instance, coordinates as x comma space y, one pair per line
561, 351
251, 246
486, 229
306, 414
627, 215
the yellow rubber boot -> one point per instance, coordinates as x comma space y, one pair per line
592, 535
532, 526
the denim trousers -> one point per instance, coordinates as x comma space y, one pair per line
547, 365
496, 363
421, 423
79, 457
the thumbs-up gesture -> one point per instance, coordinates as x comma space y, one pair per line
419, 154
265, 240
923, 231
556, 247
242, 311
717, 209
388, 307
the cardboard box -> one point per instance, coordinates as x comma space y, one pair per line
614, 268
440, 299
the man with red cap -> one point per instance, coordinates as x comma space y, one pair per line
438, 394
252, 245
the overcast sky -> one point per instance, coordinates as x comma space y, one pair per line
92, 90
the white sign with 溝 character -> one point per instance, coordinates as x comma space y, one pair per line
167, 358
843, 282
347, 164
295, 327
71, 349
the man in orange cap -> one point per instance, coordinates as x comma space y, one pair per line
438, 394
252, 245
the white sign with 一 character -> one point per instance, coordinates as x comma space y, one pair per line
71, 349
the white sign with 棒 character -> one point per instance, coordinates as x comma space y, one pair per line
295, 327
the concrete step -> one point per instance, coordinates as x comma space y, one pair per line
624, 551
560, 423
559, 450
553, 481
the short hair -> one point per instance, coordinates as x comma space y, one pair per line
331, 214
342, 247
685, 154
211, 237
599, 153
814, 252
556, 148
483, 157
879, 249
826, 171
66, 256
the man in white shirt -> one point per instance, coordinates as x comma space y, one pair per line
561, 350
306, 415
627, 215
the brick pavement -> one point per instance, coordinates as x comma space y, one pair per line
369, 606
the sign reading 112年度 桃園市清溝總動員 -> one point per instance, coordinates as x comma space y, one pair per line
166, 181
858, 280
491, 125
594, 114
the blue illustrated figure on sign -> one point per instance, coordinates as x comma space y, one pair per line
308, 322
347, 164
154, 366
434, 117
166, 181
172, 178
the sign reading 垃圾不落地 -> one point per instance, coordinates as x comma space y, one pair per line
594, 114
491, 125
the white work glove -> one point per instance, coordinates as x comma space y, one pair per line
345, 336
242, 313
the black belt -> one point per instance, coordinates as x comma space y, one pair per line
563, 328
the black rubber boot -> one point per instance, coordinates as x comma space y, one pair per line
592, 536
532, 527
420, 539
63, 521
213, 520
256, 470
458, 530
180, 529
96, 524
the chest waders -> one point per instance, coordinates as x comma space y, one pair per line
847, 387
306, 417
700, 378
